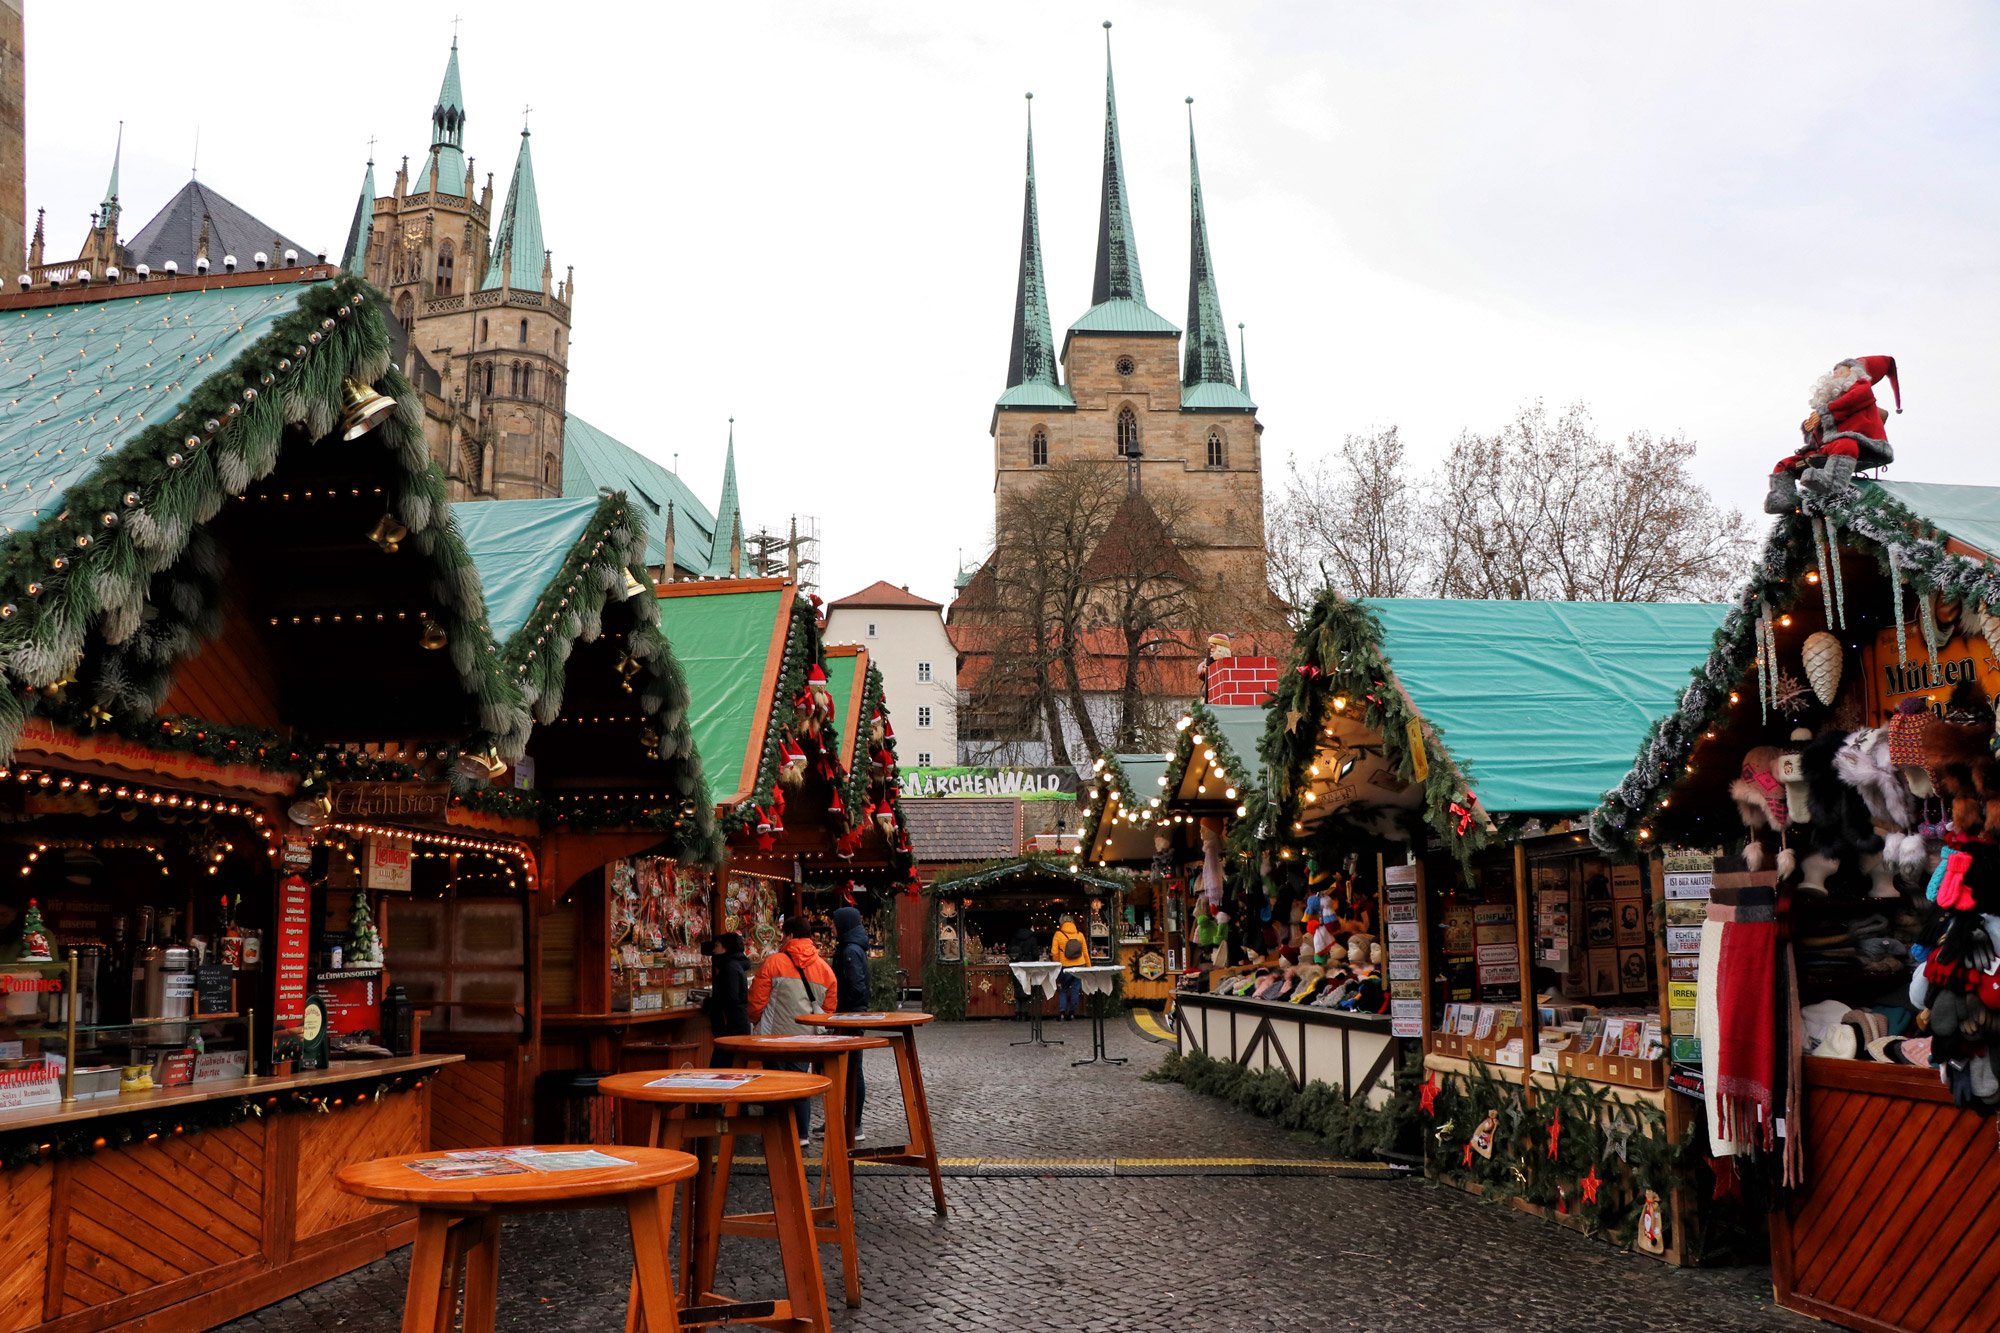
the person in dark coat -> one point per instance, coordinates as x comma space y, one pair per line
729, 1004
850, 970
1023, 948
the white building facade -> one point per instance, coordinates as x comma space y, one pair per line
906, 640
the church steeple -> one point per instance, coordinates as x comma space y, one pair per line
447, 149
354, 259
1031, 359
108, 210
518, 258
725, 555
1117, 250
1205, 358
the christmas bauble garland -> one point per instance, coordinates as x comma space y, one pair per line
1909, 550
121, 1129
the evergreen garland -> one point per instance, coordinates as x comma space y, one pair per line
129, 535
82, 1138
802, 649
1906, 547
1349, 1127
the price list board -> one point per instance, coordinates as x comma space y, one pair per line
294, 938
1402, 909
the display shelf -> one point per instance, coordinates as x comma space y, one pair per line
192, 1020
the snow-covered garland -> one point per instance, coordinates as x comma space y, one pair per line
1911, 551
130, 535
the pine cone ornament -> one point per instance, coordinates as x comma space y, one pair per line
1822, 662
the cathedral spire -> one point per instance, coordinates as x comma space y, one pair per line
1243, 361
354, 259
108, 210
725, 552
447, 135
517, 237
1117, 251
1206, 358
1031, 360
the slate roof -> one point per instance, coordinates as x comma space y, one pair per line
887, 596
953, 828
175, 233
594, 461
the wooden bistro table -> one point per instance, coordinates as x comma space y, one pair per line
900, 1027
833, 1221
458, 1225
722, 1094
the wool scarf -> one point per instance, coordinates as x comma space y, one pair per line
1746, 1062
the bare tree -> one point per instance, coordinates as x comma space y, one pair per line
1353, 520
1144, 591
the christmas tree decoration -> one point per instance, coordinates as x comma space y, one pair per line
364, 943
1427, 1092
1555, 1136
1894, 553
1591, 1183
1839, 586
1822, 658
36, 946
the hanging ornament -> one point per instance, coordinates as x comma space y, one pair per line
1896, 591
1822, 662
1618, 1138
1427, 1093
1482, 1138
1839, 585
1562, 1201
1591, 1183
1763, 669
1825, 577
1555, 1136
1517, 1110
1928, 621
1651, 1240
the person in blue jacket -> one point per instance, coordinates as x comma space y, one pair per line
850, 971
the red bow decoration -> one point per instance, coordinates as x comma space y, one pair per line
1309, 671
1590, 1184
1427, 1093
1464, 816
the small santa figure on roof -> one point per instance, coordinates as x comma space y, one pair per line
1842, 433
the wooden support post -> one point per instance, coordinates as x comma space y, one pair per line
1524, 940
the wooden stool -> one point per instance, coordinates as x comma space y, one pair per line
458, 1226
833, 1223
901, 1030
712, 1139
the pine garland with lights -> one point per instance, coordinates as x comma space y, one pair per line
120, 1129
1350, 1127
130, 535
1909, 550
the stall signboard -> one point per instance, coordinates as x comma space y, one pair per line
1400, 907
1028, 784
391, 800
294, 938
1961, 657
387, 863
39, 735
38, 1085
298, 853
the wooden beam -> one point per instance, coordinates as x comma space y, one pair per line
1523, 936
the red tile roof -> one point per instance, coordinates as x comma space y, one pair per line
1167, 669
886, 595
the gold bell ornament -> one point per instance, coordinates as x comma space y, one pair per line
361, 409
388, 533
433, 636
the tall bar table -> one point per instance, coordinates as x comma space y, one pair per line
1036, 977
900, 1027
1097, 982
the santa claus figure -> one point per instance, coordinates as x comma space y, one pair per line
1843, 432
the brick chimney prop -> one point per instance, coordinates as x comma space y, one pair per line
1242, 680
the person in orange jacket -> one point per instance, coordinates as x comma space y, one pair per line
793, 981
1071, 949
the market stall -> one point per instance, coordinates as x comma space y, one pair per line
1821, 796
976, 914
203, 603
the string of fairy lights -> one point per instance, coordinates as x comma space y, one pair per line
1219, 769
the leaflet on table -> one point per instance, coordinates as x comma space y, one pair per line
468, 1163
711, 1079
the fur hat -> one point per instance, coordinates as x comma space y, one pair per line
1842, 825
1759, 796
1864, 764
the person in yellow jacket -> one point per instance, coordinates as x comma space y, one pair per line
1071, 950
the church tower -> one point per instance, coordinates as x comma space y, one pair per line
485, 322
1126, 391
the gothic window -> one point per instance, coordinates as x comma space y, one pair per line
444, 269
524, 333
1040, 446
489, 379
482, 328
1128, 433
406, 310
527, 381
514, 379
1217, 455
548, 469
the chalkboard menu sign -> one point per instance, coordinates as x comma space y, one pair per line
215, 989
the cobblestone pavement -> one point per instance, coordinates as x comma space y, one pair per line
1138, 1255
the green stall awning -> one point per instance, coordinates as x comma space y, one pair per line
725, 642
518, 546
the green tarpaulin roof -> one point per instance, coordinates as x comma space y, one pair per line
846, 691
1969, 513
518, 546
723, 642
1544, 703
1242, 726
77, 381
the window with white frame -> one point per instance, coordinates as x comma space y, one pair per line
871, 629
923, 673
923, 715
923, 759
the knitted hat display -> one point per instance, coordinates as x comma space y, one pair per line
1759, 796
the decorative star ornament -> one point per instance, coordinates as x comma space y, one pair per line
1292, 716
1427, 1093
1618, 1138
1445, 1129
1728, 1185
1517, 1110
1590, 1184
1555, 1135
1467, 1161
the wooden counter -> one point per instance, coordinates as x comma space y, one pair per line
1348, 1051
192, 1230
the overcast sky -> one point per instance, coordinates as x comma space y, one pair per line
808, 216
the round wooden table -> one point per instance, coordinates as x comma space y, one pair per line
458, 1225
833, 1222
721, 1094
900, 1027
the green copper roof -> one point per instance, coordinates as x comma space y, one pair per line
727, 516
1117, 275
109, 208
1215, 398
593, 461
1242, 362
1122, 316
723, 642
355, 257
1206, 356
520, 229
77, 381
447, 135
518, 546
1031, 360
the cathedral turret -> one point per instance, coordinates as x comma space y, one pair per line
1031, 357
1118, 292
354, 259
447, 155
517, 238
1207, 378
726, 550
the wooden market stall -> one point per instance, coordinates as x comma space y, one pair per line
204, 608
975, 910
1826, 773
